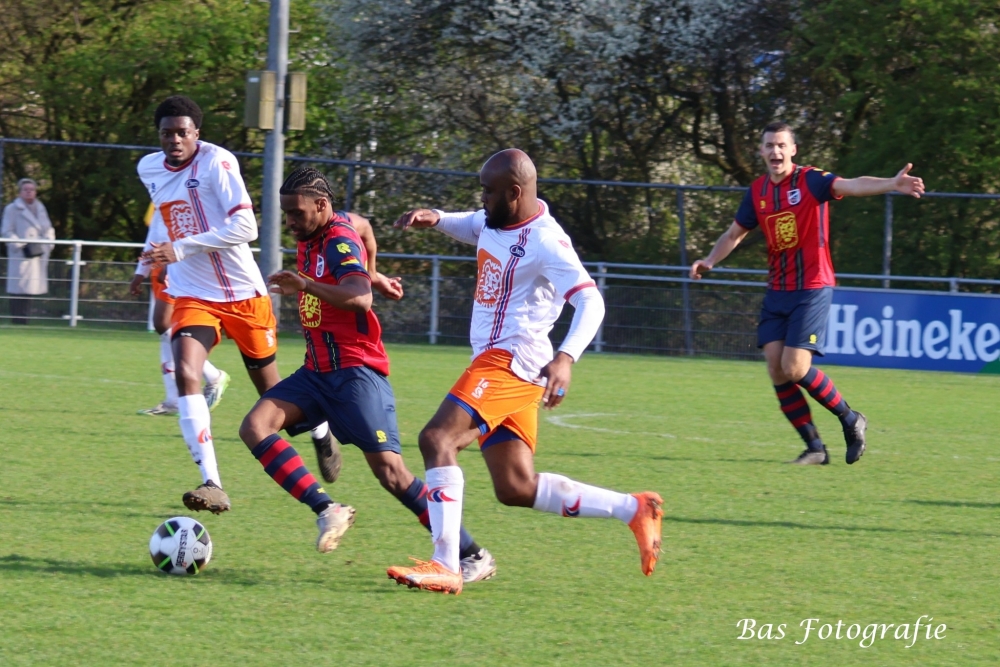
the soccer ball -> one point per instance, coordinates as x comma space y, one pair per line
180, 545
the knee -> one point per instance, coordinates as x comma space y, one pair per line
793, 370
248, 432
391, 478
432, 441
519, 493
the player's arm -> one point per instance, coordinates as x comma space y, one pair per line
390, 288
143, 267
866, 186
464, 227
353, 293
731, 238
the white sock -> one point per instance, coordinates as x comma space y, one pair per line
196, 427
210, 373
167, 368
445, 486
566, 497
320, 431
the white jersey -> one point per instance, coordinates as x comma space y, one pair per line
526, 275
206, 212
157, 233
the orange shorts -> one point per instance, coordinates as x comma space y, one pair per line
499, 397
250, 323
158, 279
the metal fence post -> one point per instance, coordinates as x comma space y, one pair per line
887, 242
1, 172
602, 283
953, 284
74, 289
349, 197
432, 334
685, 289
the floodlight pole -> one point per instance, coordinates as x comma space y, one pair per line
274, 147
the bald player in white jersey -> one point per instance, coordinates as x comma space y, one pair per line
197, 189
528, 270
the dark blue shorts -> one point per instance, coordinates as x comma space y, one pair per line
357, 402
797, 317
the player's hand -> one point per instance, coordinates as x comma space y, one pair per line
557, 373
135, 287
698, 268
286, 283
162, 253
909, 185
390, 288
421, 217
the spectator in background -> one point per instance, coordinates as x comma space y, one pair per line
27, 263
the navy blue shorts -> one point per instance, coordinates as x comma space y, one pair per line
797, 317
357, 402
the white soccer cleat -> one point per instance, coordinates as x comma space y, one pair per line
160, 409
213, 392
479, 566
333, 522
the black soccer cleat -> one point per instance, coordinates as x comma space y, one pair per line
811, 457
855, 438
328, 456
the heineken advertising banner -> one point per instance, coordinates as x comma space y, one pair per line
936, 332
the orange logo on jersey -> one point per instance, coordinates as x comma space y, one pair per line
310, 310
785, 233
488, 285
179, 218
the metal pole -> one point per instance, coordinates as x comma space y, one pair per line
432, 334
349, 197
602, 284
1, 172
274, 148
887, 242
74, 289
685, 290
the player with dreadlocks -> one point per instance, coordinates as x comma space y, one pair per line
343, 380
204, 206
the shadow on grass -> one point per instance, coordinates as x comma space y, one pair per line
15, 563
955, 503
804, 526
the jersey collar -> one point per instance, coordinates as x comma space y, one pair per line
525, 223
186, 164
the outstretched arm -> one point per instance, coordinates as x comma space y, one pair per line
464, 227
723, 247
865, 186
353, 294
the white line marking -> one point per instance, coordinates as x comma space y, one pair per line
563, 421
72, 378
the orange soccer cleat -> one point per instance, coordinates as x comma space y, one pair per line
646, 525
427, 575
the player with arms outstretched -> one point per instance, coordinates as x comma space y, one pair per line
206, 210
216, 381
344, 379
790, 205
528, 270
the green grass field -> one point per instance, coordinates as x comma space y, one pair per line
910, 530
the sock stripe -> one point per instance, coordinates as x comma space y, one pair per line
821, 388
304, 482
285, 466
290, 473
280, 461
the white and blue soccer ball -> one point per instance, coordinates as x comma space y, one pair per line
180, 546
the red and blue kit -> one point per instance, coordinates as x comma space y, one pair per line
337, 338
795, 218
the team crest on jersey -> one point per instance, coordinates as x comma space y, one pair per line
226, 165
517, 250
310, 312
785, 232
564, 243
488, 285
794, 197
763, 204
320, 265
191, 183
178, 216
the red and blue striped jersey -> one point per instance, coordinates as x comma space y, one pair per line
337, 338
795, 218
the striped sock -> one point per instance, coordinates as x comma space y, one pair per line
821, 388
796, 410
415, 500
285, 466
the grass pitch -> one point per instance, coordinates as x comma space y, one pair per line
911, 530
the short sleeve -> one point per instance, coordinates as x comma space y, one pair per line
745, 215
229, 186
562, 266
343, 257
820, 184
